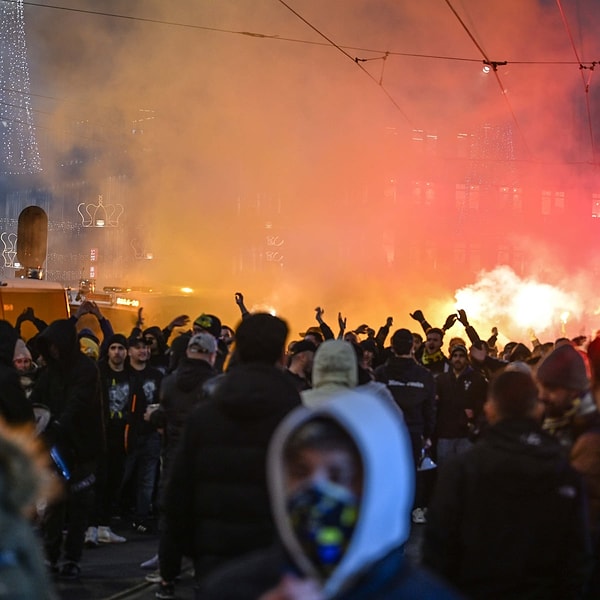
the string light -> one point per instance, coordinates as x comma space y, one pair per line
19, 152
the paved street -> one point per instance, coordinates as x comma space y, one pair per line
112, 571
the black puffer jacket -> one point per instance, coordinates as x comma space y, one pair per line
179, 393
216, 500
14, 406
70, 386
507, 519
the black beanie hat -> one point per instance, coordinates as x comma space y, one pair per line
117, 338
564, 367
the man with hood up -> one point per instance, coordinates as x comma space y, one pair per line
342, 510
157, 344
334, 371
70, 387
15, 409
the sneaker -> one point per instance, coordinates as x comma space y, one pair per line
69, 570
419, 515
153, 577
165, 591
141, 527
91, 537
52, 568
107, 536
150, 564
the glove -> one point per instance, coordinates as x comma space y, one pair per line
450, 320
418, 316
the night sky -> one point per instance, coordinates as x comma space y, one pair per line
263, 118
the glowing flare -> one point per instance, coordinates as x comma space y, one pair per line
500, 298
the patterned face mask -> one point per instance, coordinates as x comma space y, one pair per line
323, 516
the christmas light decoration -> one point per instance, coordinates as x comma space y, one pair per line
99, 215
18, 146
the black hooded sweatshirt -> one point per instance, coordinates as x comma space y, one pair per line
70, 386
180, 391
14, 406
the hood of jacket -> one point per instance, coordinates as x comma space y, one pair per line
335, 363
378, 431
8, 341
191, 372
521, 447
252, 391
160, 338
62, 334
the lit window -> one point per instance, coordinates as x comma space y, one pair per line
595, 206
546, 202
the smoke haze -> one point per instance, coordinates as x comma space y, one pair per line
261, 158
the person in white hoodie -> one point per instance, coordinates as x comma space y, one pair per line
341, 483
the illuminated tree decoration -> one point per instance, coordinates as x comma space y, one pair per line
19, 153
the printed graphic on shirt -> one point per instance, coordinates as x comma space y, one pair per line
150, 390
118, 396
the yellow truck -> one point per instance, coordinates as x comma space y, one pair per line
47, 298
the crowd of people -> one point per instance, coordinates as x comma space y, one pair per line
296, 469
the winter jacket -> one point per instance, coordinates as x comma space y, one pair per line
70, 387
215, 501
373, 566
15, 409
179, 394
455, 394
507, 519
413, 388
579, 433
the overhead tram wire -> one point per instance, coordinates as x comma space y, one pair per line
279, 38
343, 49
245, 33
494, 65
353, 59
586, 84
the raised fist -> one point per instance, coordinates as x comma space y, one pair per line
418, 315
